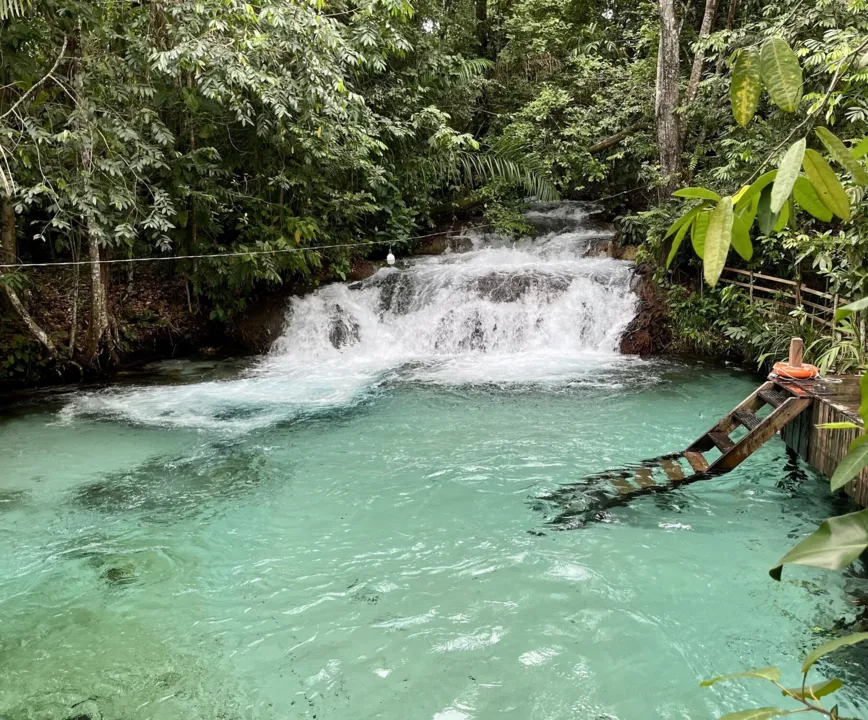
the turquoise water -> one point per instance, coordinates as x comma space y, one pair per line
360, 523
386, 556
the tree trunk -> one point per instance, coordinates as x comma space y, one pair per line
666, 106
699, 57
613, 140
8, 254
8, 246
73, 325
730, 17
100, 324
99, 335
482, 26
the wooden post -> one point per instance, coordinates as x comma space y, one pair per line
797, 349
751, 285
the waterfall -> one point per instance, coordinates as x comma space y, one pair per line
534, 311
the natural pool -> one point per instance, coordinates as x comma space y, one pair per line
358, 537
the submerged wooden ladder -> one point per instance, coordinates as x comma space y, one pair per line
786, 403
590, 498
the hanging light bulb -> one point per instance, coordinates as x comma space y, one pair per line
390, 258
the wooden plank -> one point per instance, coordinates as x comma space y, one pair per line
808, 303
775, 398
696, 460
768, 427
672, 469
772, 291
722, 441
728, 423
775, 279
746, 418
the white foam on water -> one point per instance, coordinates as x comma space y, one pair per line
504, 313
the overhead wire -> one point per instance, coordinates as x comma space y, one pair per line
240, 253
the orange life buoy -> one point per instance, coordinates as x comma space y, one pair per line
803, 372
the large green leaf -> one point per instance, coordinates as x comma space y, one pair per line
839, 152
741, 238
746, 85
683, 220
846, 311
766, 673
676, 243
863, 406
756, 188
697, 192
808, 199
826, 184
831, 646
861, 150
748, 214
781, 73
817, 690
788, 171
852, 464
718, 238
766, 219
697, 232
756, 714
783, 216
834, 545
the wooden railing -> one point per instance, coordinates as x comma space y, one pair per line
788, 293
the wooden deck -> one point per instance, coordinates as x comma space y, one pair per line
836, 399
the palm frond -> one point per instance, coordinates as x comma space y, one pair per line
12, 8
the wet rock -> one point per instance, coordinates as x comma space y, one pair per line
261, 325
84, 710
12, 499
509, 287
607, 247
361, 270
343, 329
366, 596
119, 575
396, 292
469, 335
440, 244
648, 332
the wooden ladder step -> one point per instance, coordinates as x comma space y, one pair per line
696, 460
746, 418
775, 398
722, 441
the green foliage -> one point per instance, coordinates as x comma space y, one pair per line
788, 172
746, 86
781, 73
833, 546
718, 238
827, 185
808, 697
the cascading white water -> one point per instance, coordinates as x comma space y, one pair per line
534, 311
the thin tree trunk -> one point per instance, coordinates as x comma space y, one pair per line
613, 140
730, 17
668, 126
100, 325
8, 253
9, 246
482, 26
99, 335
73, 325
699, 57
